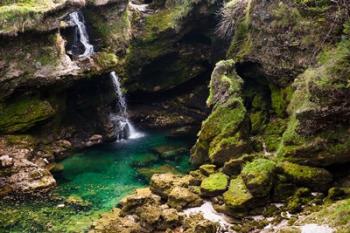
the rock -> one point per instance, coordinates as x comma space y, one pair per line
180, 197
197, 224
78, 203
111, 222
147, 173
233, 167
6, 161
162, 184
24, 114
169, 152
214, 185
141, 197
237, 198
207, 169
258, 176
198, 176
94, 140
313, 177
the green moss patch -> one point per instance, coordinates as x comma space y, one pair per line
23, 114
258, 176
214, 185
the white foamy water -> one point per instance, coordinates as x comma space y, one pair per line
78, 20
125, 126
315, 228
209, 213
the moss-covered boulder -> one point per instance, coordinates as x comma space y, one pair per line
214, 185
222, 135
258, 176
313, 177
23, 114
237, 198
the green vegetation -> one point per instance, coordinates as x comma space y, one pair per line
215, 184
237, 198
313, 177
258, 176
24, 114
14, 15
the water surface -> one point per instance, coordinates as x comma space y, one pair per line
99, 178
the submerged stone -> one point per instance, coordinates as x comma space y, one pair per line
147, 173
214, 185
169, 152
145, 161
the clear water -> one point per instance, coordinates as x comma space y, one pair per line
101, 176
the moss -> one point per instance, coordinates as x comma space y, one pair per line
110, 27
237, 198
280, 98
215, 184
242, 42
258, 176
23, 114
273, 132
22, 139
300, 198
336, 215
17, 14
106, 60
316, 178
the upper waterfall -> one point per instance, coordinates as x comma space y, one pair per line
78, 19
127, 130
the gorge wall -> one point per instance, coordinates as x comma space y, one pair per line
53, 102
275, 116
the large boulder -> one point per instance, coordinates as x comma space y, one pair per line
313, 177
222, 135
181, 197
258, 176
237, 198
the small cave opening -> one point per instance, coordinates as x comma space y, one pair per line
196, 37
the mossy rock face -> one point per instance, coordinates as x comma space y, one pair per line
40, 15
23, 114
317, 132
223, 133
214, 185
313, 177
237, 198
336, 215
258, 176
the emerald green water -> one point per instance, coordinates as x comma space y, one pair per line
98, 178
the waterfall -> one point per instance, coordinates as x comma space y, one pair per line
127, 130
78, 20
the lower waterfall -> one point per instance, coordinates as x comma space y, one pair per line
126, 129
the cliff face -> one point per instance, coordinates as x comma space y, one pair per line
52, 101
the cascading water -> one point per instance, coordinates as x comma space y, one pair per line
78, 19
127, 130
